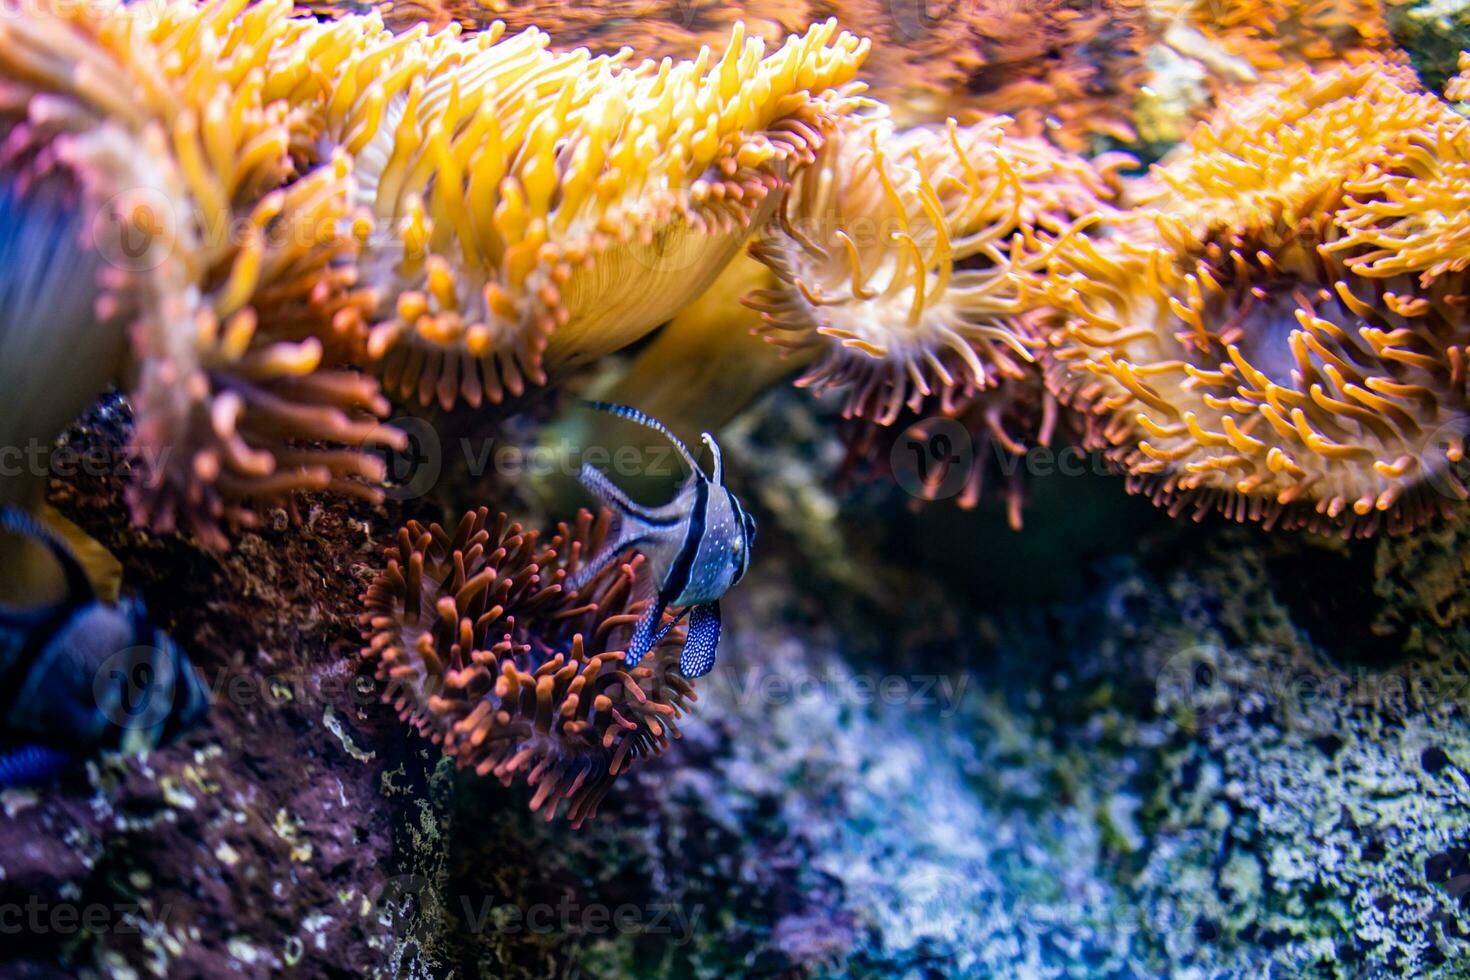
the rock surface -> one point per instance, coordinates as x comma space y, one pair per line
1212, 751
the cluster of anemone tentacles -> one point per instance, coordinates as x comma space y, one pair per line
1271, 323
1064, 67
1278, 330
489, 653
271, 213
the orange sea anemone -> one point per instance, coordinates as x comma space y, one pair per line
1410, 211
1206, 49
487, 653
222, 259
894, 262
1280, 152
1458, 88
533, 210
1245, 354
1066, 68
1273, 34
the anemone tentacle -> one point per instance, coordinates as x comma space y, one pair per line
485, 649
1256, 348
224, 247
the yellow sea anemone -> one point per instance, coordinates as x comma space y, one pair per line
1241, 358
1410, 211
1066, 68
533, 210
1279, 153
1273, 34
209, 243
652, 29
893, 258
1458, 88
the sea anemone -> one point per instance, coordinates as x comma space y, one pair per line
1000, 426
1410, 211
652, 29
895, 265
1206, 49
1241, 357
223, 257
1065, 69
534, 210
1279, 153
485, 651
1458, 88
1272, 34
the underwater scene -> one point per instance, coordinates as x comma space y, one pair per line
680, 489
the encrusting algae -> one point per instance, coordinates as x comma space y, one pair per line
484, 648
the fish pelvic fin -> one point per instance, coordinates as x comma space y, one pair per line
645, 635
698, 657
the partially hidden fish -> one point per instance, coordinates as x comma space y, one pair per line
698, 545
81, 675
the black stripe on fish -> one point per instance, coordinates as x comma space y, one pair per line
682, 571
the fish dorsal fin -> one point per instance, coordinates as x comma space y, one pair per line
714, 449
633, 415
78, 586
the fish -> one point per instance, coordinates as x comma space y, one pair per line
80, 675
698, 546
